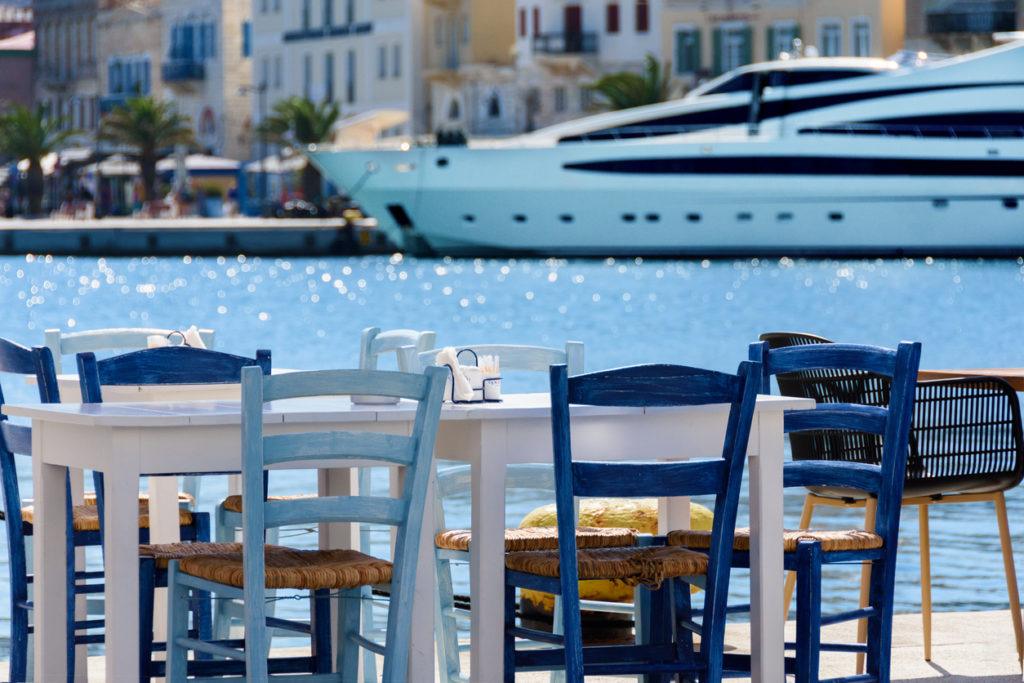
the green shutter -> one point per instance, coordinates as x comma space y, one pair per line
716, 46
769, 40
696, 60
746, 55
796, 30
680, 56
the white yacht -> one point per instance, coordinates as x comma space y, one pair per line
797, 156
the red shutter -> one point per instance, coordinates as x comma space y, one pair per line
522, 22
536, 20
642, 16
612, 18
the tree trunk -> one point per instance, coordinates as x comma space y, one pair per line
147, 167
34, 187
311, 184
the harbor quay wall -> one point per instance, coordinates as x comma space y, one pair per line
192, 236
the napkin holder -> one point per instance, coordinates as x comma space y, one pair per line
484, 388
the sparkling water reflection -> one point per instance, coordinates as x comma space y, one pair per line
310, 312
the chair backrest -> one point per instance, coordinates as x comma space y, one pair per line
456, 481
16, 440
326, 448
965, 435
882, 476
518, 357
651, 386
375, 343
110, 339
163, 365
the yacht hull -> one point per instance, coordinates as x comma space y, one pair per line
774, 197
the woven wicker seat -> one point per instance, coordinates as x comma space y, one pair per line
830, 539
541, 538
296, 569
183, 498
163, 553
234, 503
87, 518
635, 566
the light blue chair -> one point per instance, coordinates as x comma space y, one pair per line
342, 573
667, 571
374, 343
110, 339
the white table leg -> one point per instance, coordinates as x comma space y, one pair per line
50, 562
163, 528
487, 553
121, 565
766, 636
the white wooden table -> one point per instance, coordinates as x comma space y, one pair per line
129, 440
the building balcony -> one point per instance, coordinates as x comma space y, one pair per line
971, 22
108, 103
182, 70
563, 43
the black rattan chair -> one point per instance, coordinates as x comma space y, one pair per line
965, 446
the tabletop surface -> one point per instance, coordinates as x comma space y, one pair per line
1015, 376
335, 409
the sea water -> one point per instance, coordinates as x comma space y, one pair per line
310, 313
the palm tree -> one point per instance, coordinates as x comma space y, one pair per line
626, 89
30, 134
300, 122
147, 126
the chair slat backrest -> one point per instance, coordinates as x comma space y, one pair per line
15, 441
883, 476
519, 357
340, 448
654, 386
110, 339
375, 343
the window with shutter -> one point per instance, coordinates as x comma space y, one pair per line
611, 17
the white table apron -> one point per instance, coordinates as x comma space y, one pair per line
127, 441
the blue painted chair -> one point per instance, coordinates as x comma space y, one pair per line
16, 440
659, 567
452, 544
340, 572
163, 365
966, 446
874, 439
111, 339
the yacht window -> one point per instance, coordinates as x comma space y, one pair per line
1010, 203
566, 218
805, 76
629, 217
693, 217
738, 83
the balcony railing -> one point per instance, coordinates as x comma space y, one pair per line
182, 70
563, 43
971, 22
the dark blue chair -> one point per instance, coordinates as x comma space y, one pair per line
659, 567
16, 440
163, 365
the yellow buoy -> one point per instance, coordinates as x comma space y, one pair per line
625, 513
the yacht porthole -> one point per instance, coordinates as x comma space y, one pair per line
784, 216
744, 216
629, 217
519, 218
940, 203
566, 218
693, 217
469, 218
1010, 203
442, 161
652, 218
835, 216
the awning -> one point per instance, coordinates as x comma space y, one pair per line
275, 165
200, 164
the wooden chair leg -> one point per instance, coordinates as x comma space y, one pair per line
870, 507
805, 523
926, 580
1011, 573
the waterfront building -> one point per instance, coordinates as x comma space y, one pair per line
704, 38
205, 70
66, 75
959, 26
363, 54
17, 54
